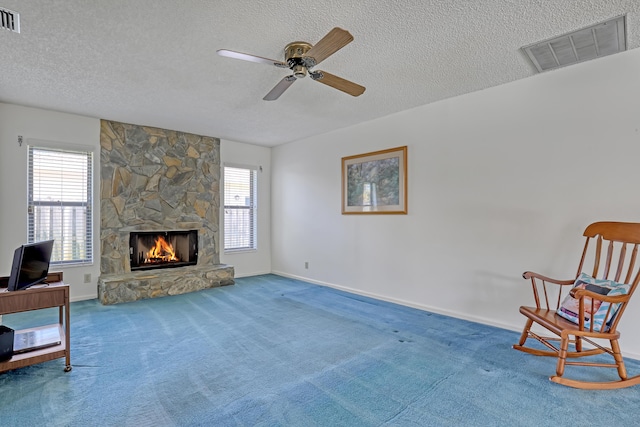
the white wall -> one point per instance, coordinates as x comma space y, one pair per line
55, 127
250, 263
500, 181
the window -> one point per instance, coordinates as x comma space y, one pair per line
60, 203
240, 190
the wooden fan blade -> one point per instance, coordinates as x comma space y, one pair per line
279, 88
252, 58
339, 83
335, 40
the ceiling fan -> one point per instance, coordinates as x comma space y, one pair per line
301, 57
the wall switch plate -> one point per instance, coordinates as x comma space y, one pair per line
87, 278
306, 265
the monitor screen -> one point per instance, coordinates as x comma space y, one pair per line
30, 265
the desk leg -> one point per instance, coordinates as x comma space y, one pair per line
67, 334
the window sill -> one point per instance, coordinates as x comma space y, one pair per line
239, 251
70, 264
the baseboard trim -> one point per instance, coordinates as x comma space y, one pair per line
83, 297
423, 307
257, 273
411, 304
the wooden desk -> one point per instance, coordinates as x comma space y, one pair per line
36, 298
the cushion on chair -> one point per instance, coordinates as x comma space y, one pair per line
569, 307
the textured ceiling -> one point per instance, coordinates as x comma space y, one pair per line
154, 62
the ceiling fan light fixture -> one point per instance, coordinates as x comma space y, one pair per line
300, 71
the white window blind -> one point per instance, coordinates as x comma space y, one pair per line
240, 192
60, 203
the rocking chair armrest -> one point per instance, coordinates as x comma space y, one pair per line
532, 275
581, 293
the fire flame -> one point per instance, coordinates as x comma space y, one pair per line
161, 252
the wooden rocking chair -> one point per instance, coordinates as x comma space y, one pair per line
618, 265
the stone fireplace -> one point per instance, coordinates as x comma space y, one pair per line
157, 182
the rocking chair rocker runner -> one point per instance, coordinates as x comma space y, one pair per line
593, 308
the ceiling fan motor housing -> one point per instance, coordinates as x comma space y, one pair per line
293, 55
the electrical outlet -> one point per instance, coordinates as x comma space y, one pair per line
306, 265
87, 278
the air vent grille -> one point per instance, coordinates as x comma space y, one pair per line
10, 20
598, 40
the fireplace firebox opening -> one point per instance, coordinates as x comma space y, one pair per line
162, 249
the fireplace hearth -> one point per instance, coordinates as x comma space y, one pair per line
163, 249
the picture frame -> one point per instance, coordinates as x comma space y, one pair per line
375, 183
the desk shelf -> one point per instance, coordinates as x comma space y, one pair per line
53, 295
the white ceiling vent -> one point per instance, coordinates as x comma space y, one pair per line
10, 20
598, 40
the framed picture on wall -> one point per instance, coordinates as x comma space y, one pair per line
375, 183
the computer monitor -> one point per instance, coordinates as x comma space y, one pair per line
30, 265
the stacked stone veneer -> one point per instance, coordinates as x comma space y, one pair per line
155, 180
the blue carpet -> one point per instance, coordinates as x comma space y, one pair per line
272, 351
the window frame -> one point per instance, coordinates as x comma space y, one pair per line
252, 208
88, 204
